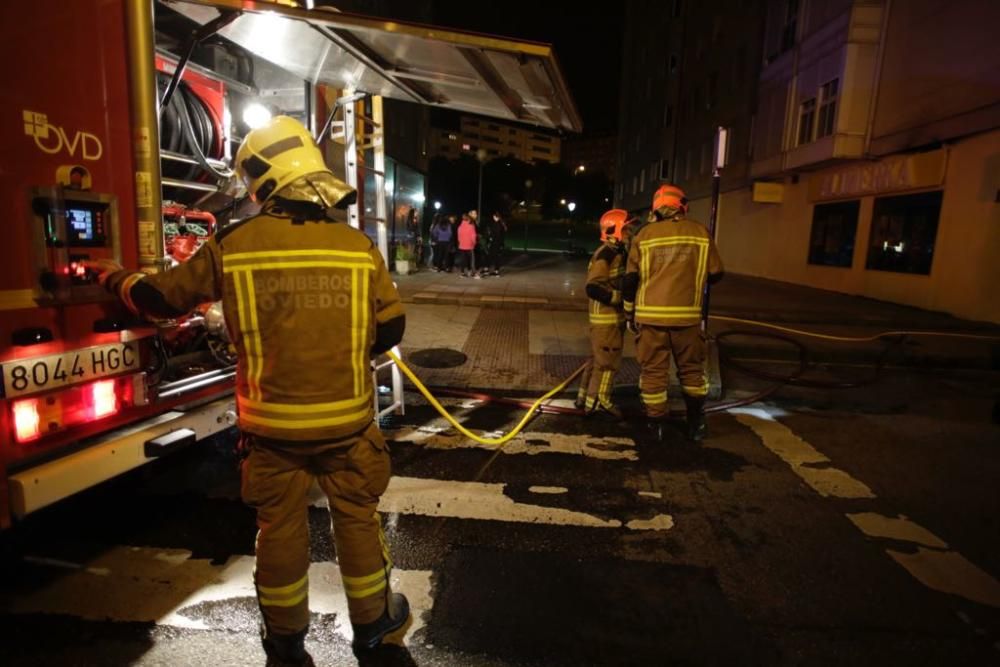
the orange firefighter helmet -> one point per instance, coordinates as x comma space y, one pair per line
669, 197
612, 224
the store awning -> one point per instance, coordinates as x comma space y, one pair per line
492, 76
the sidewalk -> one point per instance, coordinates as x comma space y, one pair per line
527, 329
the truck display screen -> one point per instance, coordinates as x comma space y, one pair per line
85, 224
80, 224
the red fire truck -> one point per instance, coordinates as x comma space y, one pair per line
118, 121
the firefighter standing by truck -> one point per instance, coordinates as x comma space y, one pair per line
607, 321
308, 301
669, 262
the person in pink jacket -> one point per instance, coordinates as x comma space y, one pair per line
466, 245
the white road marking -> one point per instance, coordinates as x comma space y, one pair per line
530, 442
900, 528
487, 502
65, 565
548, 489
950, 572
935, 567
801, 456
476, 500
658, 522
425, 322
161, 586
651, 494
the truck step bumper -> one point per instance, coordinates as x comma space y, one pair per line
119, 452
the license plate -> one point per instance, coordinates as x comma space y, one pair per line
29, 376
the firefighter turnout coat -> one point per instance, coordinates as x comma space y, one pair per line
607, 324
297, 298
668, 265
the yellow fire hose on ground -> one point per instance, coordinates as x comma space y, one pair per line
855, 339
533, 409
466, 432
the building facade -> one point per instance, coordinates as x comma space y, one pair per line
595, 153
873, 166
688, 67
496, 139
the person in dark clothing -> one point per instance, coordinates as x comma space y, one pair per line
441, 236
496, 233
453, 246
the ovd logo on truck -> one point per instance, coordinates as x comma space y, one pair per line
52, 139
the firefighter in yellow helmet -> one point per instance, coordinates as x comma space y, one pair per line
607, 321
308, 302
669, 262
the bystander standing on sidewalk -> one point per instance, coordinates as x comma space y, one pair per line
467, 239
496, 233
441, 235
453, 246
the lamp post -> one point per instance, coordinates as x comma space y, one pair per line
572, 207
481, 156
527, 199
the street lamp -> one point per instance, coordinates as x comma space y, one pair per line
571, 206
562, 202
437, 206
581, 169
481, 156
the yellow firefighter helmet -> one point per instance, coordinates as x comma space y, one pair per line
276, 154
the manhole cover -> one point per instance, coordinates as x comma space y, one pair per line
437, 357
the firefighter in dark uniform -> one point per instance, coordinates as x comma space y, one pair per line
308, 301
669, 262
607, 321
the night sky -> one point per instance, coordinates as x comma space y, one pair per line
587, 40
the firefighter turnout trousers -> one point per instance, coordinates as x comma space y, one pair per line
654, 347
606, 348
276, 478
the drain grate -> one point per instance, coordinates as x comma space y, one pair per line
437, 357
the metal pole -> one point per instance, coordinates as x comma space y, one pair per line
712, 216
479, 198
378, 146
145, 133
351, 156
719, 160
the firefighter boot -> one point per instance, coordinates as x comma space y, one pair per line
368, 636
654, 431
697, 430
611, 410
286, 650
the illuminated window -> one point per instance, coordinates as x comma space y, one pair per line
834, 228
904, 230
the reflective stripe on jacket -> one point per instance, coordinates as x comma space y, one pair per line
302, 302
604, 277
672, 259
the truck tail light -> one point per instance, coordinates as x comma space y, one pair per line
57, 411
27, 423
103, 398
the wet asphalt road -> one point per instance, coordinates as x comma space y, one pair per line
826, 528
